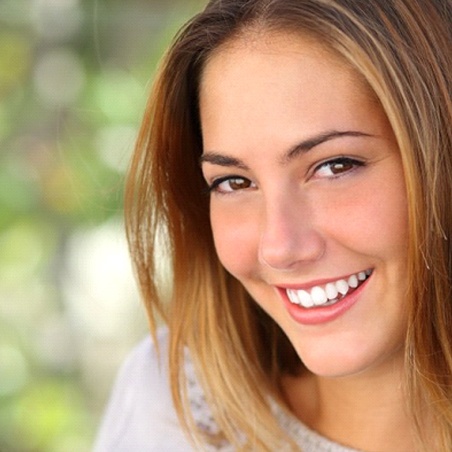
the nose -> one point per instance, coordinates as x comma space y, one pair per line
289, 235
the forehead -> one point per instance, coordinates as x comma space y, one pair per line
287, 45
277, 76
285, 51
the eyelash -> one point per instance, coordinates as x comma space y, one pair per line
344, 161
354, 163
215, 185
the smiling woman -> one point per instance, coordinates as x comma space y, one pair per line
315, 276
297, 210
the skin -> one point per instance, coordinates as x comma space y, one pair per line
283, 218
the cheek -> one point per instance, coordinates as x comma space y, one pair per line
236, 238
387, 219
373, 216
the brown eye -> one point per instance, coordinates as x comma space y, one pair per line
238, 183
336, 167
341, 167
231, 184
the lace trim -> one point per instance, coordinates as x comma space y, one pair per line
305, 438
200, 409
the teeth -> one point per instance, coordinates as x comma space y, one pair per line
292, 296
328, 294
342, 286
305, 299
331, 291
353, 281
318, 296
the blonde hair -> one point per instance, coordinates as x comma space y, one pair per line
402, 49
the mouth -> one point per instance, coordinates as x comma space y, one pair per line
327, 294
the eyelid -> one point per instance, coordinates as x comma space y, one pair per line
356, 162
216, 182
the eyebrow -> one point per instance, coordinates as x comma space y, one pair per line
300, 148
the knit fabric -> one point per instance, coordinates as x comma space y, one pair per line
140, 415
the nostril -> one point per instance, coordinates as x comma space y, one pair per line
285, 251
276, 259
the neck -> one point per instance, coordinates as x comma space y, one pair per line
366, 412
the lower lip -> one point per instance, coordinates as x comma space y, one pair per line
325, 314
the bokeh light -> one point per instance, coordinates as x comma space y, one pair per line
74, 75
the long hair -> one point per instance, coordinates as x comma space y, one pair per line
402, 49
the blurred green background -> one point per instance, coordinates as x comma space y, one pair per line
73, 81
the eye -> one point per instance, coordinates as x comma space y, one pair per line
230, 184
337, 167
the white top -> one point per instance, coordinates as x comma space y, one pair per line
140, 415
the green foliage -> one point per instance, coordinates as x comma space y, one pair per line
73, 83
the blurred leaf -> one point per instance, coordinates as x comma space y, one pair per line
14, 61
74, 76
44, 413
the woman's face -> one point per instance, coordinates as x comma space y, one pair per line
308, 202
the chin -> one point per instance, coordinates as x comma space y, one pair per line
349, 361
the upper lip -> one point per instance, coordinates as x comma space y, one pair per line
317, 282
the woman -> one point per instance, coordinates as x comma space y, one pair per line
294, 166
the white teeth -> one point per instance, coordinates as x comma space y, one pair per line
305, 299
327, 294
342, 286
292, 296
353, 281
331, 291
318, 296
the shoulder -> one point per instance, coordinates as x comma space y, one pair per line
140, 414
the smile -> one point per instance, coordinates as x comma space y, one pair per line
328, 294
